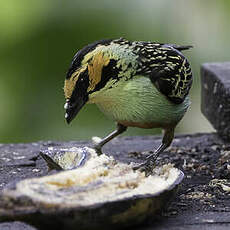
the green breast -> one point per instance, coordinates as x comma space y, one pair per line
138, 100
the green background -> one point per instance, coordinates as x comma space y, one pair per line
38, 39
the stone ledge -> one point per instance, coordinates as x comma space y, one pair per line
215, 96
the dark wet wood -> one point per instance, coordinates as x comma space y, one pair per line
201, 202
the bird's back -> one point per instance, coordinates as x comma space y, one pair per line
164, 64
167, 68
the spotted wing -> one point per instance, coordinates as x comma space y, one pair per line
168, 69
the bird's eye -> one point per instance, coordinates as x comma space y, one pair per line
81, 79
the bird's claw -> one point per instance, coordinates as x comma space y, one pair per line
146, 167
98, 150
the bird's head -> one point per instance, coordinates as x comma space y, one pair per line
96, 68
82, 78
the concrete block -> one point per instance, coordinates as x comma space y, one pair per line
215, 96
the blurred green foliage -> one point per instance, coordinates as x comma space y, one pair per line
39, 38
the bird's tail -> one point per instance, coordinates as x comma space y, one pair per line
180, 48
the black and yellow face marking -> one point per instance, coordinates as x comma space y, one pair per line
99, 62
84, 75
76, 92
84, 61
71, 82
94, 69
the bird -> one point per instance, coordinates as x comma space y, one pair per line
135, 83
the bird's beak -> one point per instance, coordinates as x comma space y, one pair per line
72, 109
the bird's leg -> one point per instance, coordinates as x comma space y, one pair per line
120, 129
166, 142
148, 165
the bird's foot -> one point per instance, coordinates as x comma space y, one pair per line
97, 149
97, 145
148, 165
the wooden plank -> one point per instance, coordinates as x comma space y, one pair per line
201, 201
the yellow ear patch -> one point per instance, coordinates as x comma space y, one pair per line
95, 69
70, 83
68, 88
95, 66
